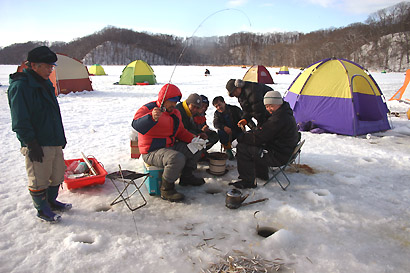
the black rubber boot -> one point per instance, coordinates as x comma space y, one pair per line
52, 193
187, 178
242, 184
191, 180
169, 193
43, 208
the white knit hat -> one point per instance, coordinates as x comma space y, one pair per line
272, 97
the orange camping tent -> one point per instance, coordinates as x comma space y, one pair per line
403, 94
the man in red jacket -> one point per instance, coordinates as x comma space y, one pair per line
162, 141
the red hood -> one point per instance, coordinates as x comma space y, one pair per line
173, 91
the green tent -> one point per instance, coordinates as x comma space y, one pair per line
137, 72
96, 70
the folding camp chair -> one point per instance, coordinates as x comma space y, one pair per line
126, 179
281, 169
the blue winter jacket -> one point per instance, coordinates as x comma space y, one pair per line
35, 113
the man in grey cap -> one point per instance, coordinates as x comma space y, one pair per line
250, 97
36, 120
271, 145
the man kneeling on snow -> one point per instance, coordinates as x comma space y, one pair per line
163, 142
271, 145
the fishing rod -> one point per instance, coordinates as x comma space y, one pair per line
186, 45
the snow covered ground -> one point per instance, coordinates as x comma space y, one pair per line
351, 215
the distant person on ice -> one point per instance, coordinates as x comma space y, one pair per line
163, 142
270, 145
207, 72
36, 119
250, 97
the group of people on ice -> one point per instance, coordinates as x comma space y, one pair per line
166, 127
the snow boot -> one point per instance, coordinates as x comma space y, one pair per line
230, 154
242, 184
52, 193
43, 208
228, 150
190, 180
169, 193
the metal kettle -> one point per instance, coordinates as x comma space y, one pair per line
234, 198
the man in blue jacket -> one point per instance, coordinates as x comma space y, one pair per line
36, 119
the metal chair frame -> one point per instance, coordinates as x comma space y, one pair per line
128, 178
281, 169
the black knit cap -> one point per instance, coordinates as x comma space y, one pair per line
204, 100
42, 54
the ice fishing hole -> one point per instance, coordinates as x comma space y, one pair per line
84, 239
266, 231
103, 208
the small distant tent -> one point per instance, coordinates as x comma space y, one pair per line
96, 70
70, 75
258, 73
137, 72
404, 91
338, 96
283, 70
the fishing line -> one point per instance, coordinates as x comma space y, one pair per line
186, 44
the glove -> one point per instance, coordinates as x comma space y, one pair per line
242, 122
35, 152
197, 144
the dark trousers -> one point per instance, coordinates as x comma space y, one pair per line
252, 162
224, 137
175, 160
212, 139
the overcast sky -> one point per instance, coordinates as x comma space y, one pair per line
56, 20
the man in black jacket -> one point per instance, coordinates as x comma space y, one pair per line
226, 118
250, 97
271, 145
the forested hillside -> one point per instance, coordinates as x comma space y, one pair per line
382, 42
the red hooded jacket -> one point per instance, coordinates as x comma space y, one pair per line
153, 135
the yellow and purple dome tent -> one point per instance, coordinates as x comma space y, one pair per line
283, 70
338, 96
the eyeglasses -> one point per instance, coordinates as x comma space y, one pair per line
48, 66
